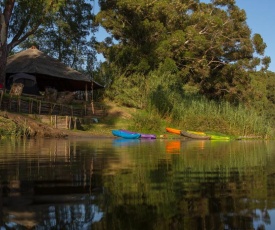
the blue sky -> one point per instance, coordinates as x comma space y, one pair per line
260, 19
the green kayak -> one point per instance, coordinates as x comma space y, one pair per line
217, 137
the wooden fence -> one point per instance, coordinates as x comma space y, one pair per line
64, 122
35, 105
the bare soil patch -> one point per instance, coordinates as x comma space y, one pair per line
32, 127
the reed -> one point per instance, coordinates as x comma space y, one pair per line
146, 122
9, 129
201, 114
166, 102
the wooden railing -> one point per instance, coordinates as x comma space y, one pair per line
35, 105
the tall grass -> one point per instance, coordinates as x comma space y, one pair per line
204, 115
10, 129
167, 103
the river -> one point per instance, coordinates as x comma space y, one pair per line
106, 183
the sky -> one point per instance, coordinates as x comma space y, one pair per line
260, 18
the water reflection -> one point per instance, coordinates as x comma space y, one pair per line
137, 184
120, 142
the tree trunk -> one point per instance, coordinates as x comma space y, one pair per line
3, 63
3, 48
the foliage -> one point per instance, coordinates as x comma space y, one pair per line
140, 91
165, 101
200, 114
146, 122
68, 35
209, 46
8, 128
19, 20
262, 94
204, 115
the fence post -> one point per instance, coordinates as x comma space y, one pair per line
70, 122
39, 108
2, 93
30, 105
75, 120
55, 118
19, 104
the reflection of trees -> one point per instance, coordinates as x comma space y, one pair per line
61, 184
1, 205
49, 184
215, 188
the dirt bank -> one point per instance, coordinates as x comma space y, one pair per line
116, 118
33, 128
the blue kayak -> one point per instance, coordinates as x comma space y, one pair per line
142, 135
120, 133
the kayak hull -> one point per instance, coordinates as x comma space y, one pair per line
217, 137
194, 135
142, 135
174, 131
120, 133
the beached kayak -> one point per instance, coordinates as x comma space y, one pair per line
218, 137
120, 133
174, 131
195, 135
142, 135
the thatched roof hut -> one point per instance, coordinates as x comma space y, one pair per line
49, 72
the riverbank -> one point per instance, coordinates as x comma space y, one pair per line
16, 125
118, 117
22, 125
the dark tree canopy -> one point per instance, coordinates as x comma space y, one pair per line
20, 19
68, 34
209, 46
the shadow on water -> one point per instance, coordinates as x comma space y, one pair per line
137, 184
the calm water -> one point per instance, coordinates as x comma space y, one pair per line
131, 184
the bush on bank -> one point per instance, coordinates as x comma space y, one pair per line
8, 128
164, 102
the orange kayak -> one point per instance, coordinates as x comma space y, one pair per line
174, 131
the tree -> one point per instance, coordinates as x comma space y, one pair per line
68, 35
210, 44
20, 19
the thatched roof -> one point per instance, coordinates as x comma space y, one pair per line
48, 71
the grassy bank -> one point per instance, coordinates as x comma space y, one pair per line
8, 128
163, 101
190, 114
199, 115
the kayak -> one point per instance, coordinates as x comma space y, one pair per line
142, 135
195, 135
218, 137
196, 132
120, 133
174, 131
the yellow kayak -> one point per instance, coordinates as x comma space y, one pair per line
198, 133
195, 135
211, 137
